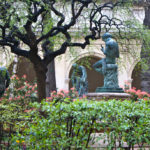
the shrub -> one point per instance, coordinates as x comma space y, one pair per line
138, 94
63, 95
20, 92
14, 105
72, 125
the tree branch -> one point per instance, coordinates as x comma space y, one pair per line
20, 52
15, 49
51, 55
58, 14
56, 30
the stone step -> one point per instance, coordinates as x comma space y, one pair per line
106, 96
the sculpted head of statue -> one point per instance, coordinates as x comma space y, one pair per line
75, 65
106, 35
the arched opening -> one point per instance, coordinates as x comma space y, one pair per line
95, 79
136, 76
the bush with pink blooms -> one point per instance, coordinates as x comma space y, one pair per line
20, 92
138, 94
14, 106
63, 95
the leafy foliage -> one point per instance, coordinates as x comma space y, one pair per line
72, 125
20, 92
62, 95
13, 108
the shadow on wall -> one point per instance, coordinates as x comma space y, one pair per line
95, 79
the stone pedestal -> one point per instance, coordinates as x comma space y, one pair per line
109, 90
107, 96
110, 80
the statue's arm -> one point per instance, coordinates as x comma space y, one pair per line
97, 64
84, 74
102, 49
73, 78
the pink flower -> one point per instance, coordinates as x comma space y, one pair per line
66, 92
61, 90
13, 77
30, 86
144, 93
53, 92
18, 97
131, 91
140, 94
60, 94
49, 99
24, 76
17, 78
121, 86
27, 110
84, 96
73, 88
74, 100
28, 92
10, 99
33, 88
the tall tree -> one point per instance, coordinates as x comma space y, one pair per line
145, 55
21, 22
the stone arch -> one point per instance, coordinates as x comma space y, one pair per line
72, 61
130, 71
133, 66
95, 79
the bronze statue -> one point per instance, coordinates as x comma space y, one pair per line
107, 66
4, 80
79, 79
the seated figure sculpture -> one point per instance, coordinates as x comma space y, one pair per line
107, 66
79, 79
4, 80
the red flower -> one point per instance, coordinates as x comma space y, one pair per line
24, 76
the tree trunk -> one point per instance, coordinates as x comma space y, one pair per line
50, 79
50, 75
41, 81
145, 75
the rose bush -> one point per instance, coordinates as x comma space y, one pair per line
14, 106
138, 94
64, 96
20, 92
